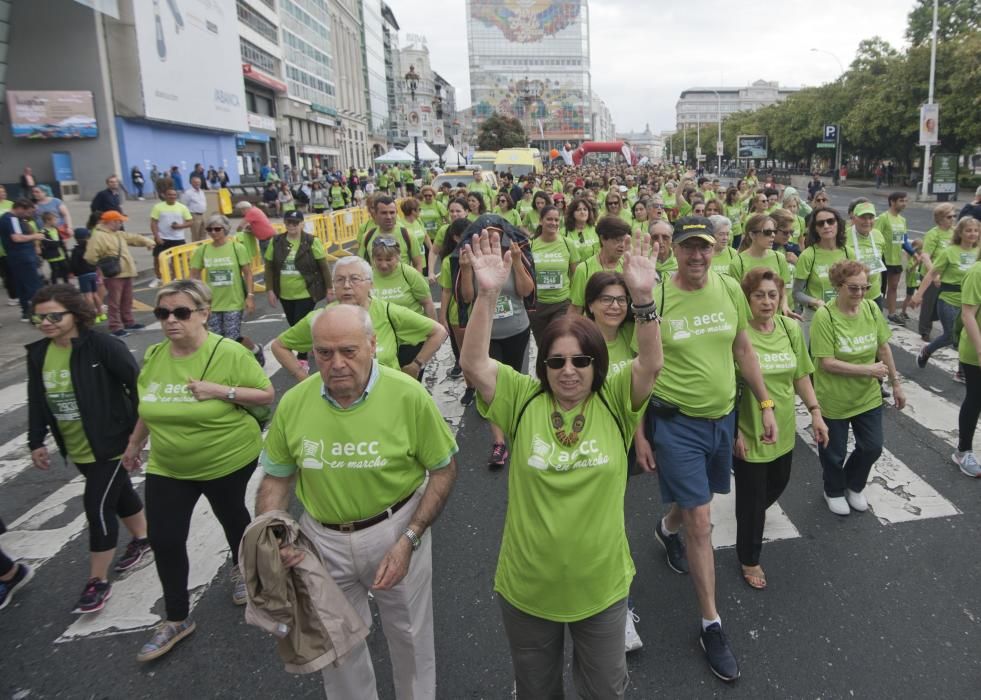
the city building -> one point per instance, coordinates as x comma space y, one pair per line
446, 95
601, 127
352, 133
531, 61
704, 105
393, 72
376, 87
646, 144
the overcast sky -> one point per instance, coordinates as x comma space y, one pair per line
642, 60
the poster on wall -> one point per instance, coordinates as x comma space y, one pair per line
52, 114
751, 146
190, 67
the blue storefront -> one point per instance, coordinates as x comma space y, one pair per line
145, 143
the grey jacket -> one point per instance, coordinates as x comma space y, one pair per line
303, 606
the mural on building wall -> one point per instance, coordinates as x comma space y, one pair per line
526, 21
559, 107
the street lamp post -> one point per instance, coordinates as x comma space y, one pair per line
718, 150
412, 80
438, 106
933, 71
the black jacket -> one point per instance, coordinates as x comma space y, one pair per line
104, 380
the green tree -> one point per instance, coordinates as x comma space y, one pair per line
499, 131
955, 18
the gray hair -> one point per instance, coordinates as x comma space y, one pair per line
362, 314
360, 264
218, 219
719, 220
196, 289
244, 204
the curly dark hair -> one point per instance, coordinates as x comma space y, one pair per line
73, 300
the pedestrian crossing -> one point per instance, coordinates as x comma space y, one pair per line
897, 493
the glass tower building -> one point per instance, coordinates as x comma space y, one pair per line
530, 60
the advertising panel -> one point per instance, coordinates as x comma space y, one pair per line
51, 114
190, 66
929, 124
944, 173
751, 147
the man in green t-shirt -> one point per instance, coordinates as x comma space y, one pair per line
866, 244
692, 414
893, 228
358, 441
386, 225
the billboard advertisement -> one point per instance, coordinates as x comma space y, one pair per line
51, 114
929, 124
751, 147
190, 66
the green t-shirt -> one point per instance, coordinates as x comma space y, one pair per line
722, 260
667, 266
734, 212
621, 349
552, 261
744, 262
60, 394
407, 253
512, 216
291, 284
935, 240
432, 217
224, 436
354, 463
417, 231
914, 273
404, 286
952, 263
783, 359
893, 229
53, 234
532, 220
853, 339
394, 325
970, 296
587, 243
697, 332
868, 250
584, 270
813, 265
484, 189
564, 554
223, 273
445, 281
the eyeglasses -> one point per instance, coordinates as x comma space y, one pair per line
50, 317
385, 243
578, 361
215, 229
826, 222
787, 232
352, 280
858, 288
765, 232
610, 300
613, 201
181, 313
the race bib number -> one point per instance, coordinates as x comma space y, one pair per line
873, 263
548, 279
503, 308
289, 266
829, 295
967, 260
897, 236
64, 407
220, 278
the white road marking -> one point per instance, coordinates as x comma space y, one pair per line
935, 413
945, 358
895, 492
13, 397
15, 457
778, 526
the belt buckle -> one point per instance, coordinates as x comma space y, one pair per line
346, 527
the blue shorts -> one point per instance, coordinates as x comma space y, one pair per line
88, 283
693, 457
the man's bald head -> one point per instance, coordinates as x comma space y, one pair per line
344, 348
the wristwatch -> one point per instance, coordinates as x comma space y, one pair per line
412, 537
230, 395
766, 404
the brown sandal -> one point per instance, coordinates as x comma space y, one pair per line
755, 581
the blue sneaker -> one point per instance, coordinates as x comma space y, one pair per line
20, 579
718, 653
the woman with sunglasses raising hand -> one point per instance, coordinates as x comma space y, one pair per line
194, 389
564, 558
81, 385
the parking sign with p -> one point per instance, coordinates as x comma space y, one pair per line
830, 133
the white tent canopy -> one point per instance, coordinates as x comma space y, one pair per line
426, 154
453, 159
394, 156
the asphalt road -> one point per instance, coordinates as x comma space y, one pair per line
882, 604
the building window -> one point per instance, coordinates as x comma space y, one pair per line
257, 57
253, 20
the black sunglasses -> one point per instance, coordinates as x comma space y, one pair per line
50, 317
181, 313
825, 222
578, 361
215, 229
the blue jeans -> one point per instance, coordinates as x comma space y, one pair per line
948, 316
852, 474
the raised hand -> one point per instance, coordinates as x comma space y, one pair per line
639, 268
491, 269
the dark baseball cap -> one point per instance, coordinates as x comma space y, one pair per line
293, 216
690, 226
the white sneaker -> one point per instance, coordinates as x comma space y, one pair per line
154, 284
13, 302
837, 505
968, 463
633, 642
856, 500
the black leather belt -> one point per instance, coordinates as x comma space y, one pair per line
368, 522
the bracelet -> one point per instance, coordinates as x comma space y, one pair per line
412, 537
646, 313
415, 361
812, 409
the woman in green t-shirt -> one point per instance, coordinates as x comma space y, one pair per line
475, 205
723, 254
756, 250
555, 263
969, 350
639, 216
538, 202
195, 390
949, 268
81, 386
579, 225
456, 209
564, 557
504, 208
449, 311
762, 470
226, 268
850, 347
824, 246
934, 241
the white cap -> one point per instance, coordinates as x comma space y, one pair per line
244, 204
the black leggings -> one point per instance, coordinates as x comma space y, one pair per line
169, 506
758, 486
970, 408
108, 493
59, 271
6, 563
295, 310
511, 351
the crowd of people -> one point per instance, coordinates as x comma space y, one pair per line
677, 325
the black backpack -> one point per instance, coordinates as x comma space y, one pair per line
510, 233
